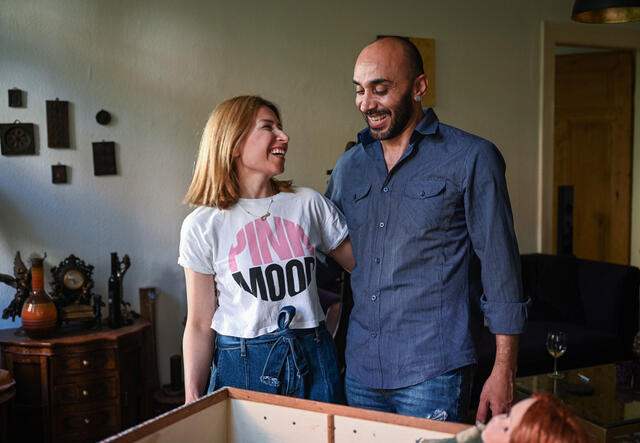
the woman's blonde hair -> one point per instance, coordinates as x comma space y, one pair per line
215, 179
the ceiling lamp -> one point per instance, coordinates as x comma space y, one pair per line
606, 11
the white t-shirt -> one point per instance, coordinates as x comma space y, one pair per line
261, 266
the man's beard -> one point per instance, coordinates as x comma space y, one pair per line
399, 119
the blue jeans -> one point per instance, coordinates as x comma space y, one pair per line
445, 397
294, 362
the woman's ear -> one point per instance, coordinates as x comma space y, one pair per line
237, 150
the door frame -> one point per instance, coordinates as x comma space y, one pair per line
594, 36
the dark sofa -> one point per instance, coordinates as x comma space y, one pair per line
594, 303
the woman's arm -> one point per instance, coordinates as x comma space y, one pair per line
198, 338
343, 254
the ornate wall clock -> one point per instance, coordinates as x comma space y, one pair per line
17, 138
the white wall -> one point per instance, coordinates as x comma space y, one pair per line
160, 67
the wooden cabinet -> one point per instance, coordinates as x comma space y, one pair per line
79, 385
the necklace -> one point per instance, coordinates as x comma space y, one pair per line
261, 217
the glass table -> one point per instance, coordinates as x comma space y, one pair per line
610, 409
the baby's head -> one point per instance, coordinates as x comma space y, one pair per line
539, 418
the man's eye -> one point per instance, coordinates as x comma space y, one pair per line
381, 91
359, 91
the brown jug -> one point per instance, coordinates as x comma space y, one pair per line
39, 313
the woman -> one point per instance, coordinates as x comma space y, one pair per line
541, 418
248, 252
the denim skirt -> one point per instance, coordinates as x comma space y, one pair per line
293, 362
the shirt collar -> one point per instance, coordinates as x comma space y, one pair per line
427, 126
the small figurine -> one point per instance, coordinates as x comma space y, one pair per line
119, 314
21, 282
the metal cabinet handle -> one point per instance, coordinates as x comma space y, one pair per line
85, 393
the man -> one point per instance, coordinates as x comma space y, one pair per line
431, 227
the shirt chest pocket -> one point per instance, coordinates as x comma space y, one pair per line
423, 202
356, 206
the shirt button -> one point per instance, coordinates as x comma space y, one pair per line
385, 189
373, 334
381, 224
421, 193
374, 298
377, 260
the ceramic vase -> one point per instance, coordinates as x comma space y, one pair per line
39, 313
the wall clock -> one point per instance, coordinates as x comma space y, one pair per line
17, 138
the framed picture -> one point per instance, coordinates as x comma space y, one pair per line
104, 158
15, 98
58, 174
17, 139
58, 123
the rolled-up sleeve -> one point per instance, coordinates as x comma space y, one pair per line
490, 225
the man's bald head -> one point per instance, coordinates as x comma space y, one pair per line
389, 87
401, 50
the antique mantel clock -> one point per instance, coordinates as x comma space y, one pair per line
71, 290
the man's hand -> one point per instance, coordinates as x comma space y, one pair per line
498, 394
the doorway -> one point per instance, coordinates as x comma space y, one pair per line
592, 153
569, 34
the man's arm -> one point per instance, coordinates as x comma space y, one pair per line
498, 392
490, 224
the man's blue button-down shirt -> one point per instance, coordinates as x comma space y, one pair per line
435, 251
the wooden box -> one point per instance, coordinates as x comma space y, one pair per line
238, 416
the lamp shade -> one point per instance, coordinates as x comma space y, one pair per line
606, 11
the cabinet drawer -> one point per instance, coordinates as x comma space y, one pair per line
75, 424
88, 391
85, 363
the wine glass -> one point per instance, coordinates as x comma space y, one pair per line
557, 346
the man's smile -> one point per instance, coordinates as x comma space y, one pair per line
377, 119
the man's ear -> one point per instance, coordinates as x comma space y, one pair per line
420, 85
